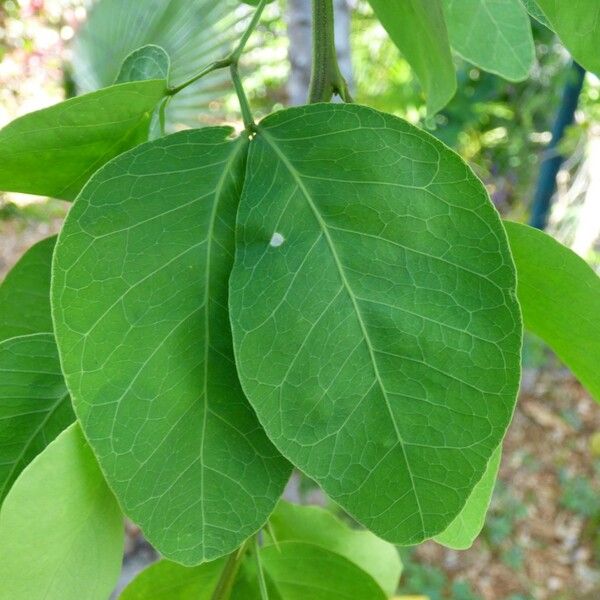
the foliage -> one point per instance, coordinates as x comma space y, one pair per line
331, 289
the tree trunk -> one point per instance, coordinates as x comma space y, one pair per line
300, 38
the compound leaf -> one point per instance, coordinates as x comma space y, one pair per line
140, 311
147, 62
419, 31
54, 151
375, 323
61, 528
577, 24
34, 402
559, 295
25, 293
465, 528
292, 522
492, 34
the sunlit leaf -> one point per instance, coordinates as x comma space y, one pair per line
463, 531
559, 295
375, 323
577, 23
292, 522
492, 34
140, 309
419, 31
147, 62
54, 151
61, 528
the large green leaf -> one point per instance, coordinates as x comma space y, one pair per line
375, 323
140, 310
194, 33
463, 531
34, 403
492, 34
419, 31
166, 580
54, 151
291, 522
577, 23
559, 294
25, 293
61, 528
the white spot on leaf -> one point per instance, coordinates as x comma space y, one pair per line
276, 240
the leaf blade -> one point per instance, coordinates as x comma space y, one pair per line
78, 509
560, 304
323, 342
146, 347
54, 151
420, 34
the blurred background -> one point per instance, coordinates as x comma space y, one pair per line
542, 536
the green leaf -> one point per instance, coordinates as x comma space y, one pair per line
535, 11
54, 151
577, 24
166, 580
25, 293
559, 295
61, 529
375, 323
291, 522
34, 402
494, 35
145, 343
419, 31
463, 531
193, 33
147, 62
300, 570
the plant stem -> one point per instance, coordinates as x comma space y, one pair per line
231, 59
326, 77
242, 99
262, 584
232, 566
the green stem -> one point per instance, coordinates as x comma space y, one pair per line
326, 77
227, 579
242, 98
262, 584
232, 58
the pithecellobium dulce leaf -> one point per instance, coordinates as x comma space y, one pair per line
25, 293
34, 402
559, 294
465, 528
419, 31
375, 323
140, 312
54, 151
493, 35
61, 528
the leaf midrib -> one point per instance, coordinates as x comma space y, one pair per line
271, 141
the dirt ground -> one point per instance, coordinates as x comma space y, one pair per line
541, 539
